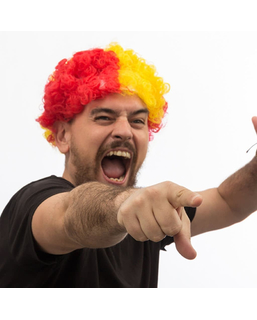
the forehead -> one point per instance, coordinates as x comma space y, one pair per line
118, 103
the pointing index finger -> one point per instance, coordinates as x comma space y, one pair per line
182, 239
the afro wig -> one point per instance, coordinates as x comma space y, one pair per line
95, 73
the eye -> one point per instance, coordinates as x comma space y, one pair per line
103, 120
138, 123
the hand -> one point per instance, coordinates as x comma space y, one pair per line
254, 121
157, 211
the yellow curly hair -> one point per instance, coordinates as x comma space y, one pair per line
95, 73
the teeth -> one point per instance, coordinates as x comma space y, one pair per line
118, 180
119, 153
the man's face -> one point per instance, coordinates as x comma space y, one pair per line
108, 141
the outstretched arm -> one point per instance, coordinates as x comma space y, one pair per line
96, 215
233, 201
83, 217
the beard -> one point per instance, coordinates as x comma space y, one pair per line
87, 171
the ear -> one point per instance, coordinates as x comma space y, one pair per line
62, 136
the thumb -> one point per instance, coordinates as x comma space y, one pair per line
182, 197
254, 121
183, 239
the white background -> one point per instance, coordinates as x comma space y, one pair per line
213, 78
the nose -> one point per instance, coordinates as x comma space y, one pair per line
122, 130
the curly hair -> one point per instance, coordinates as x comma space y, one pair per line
95, 73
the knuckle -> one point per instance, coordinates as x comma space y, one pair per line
135, 231
139, 201
181, 192
140, 238
145, 195
157, 238
169, 185
123, 213
154, 232
152, 192
172, 230
181, 197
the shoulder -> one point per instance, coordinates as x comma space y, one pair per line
33, 194
51, 182
45, 187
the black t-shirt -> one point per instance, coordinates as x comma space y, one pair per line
128, 264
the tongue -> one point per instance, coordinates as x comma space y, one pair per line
113, 168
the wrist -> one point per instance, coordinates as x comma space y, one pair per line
122, 196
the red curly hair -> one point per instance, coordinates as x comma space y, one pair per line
95, 73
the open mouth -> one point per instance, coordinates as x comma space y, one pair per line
115, 166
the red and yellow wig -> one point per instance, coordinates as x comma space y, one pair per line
93, 74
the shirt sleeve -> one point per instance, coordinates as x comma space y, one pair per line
19, 214
168, 240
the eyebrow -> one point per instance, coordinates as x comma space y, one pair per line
113, 112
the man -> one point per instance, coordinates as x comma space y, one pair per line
93, 227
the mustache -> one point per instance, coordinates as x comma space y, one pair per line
115, 144
125, 144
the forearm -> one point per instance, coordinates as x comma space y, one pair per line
90, 219
240, 190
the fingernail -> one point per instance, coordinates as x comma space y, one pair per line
197, 195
